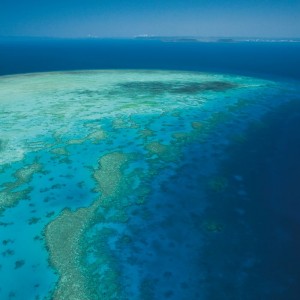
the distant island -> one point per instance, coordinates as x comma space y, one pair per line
216, 39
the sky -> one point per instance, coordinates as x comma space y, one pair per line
127, 18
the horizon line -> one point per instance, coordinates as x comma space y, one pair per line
148, 36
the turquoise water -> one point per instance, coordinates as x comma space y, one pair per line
109, 180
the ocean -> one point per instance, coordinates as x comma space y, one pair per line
143, 169
262, 59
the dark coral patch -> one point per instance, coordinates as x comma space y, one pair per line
153, 87
33, 220
19, 264
215, 86
179, 87
8, 252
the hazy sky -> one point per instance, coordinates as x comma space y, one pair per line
125, 18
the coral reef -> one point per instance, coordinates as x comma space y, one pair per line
64, 235
8, 195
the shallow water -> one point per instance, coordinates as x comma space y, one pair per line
148, 185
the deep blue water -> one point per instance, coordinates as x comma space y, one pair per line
256, 253
276, 60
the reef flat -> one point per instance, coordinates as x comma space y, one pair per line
108, 178
64, 234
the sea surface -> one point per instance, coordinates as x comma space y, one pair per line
134, 169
